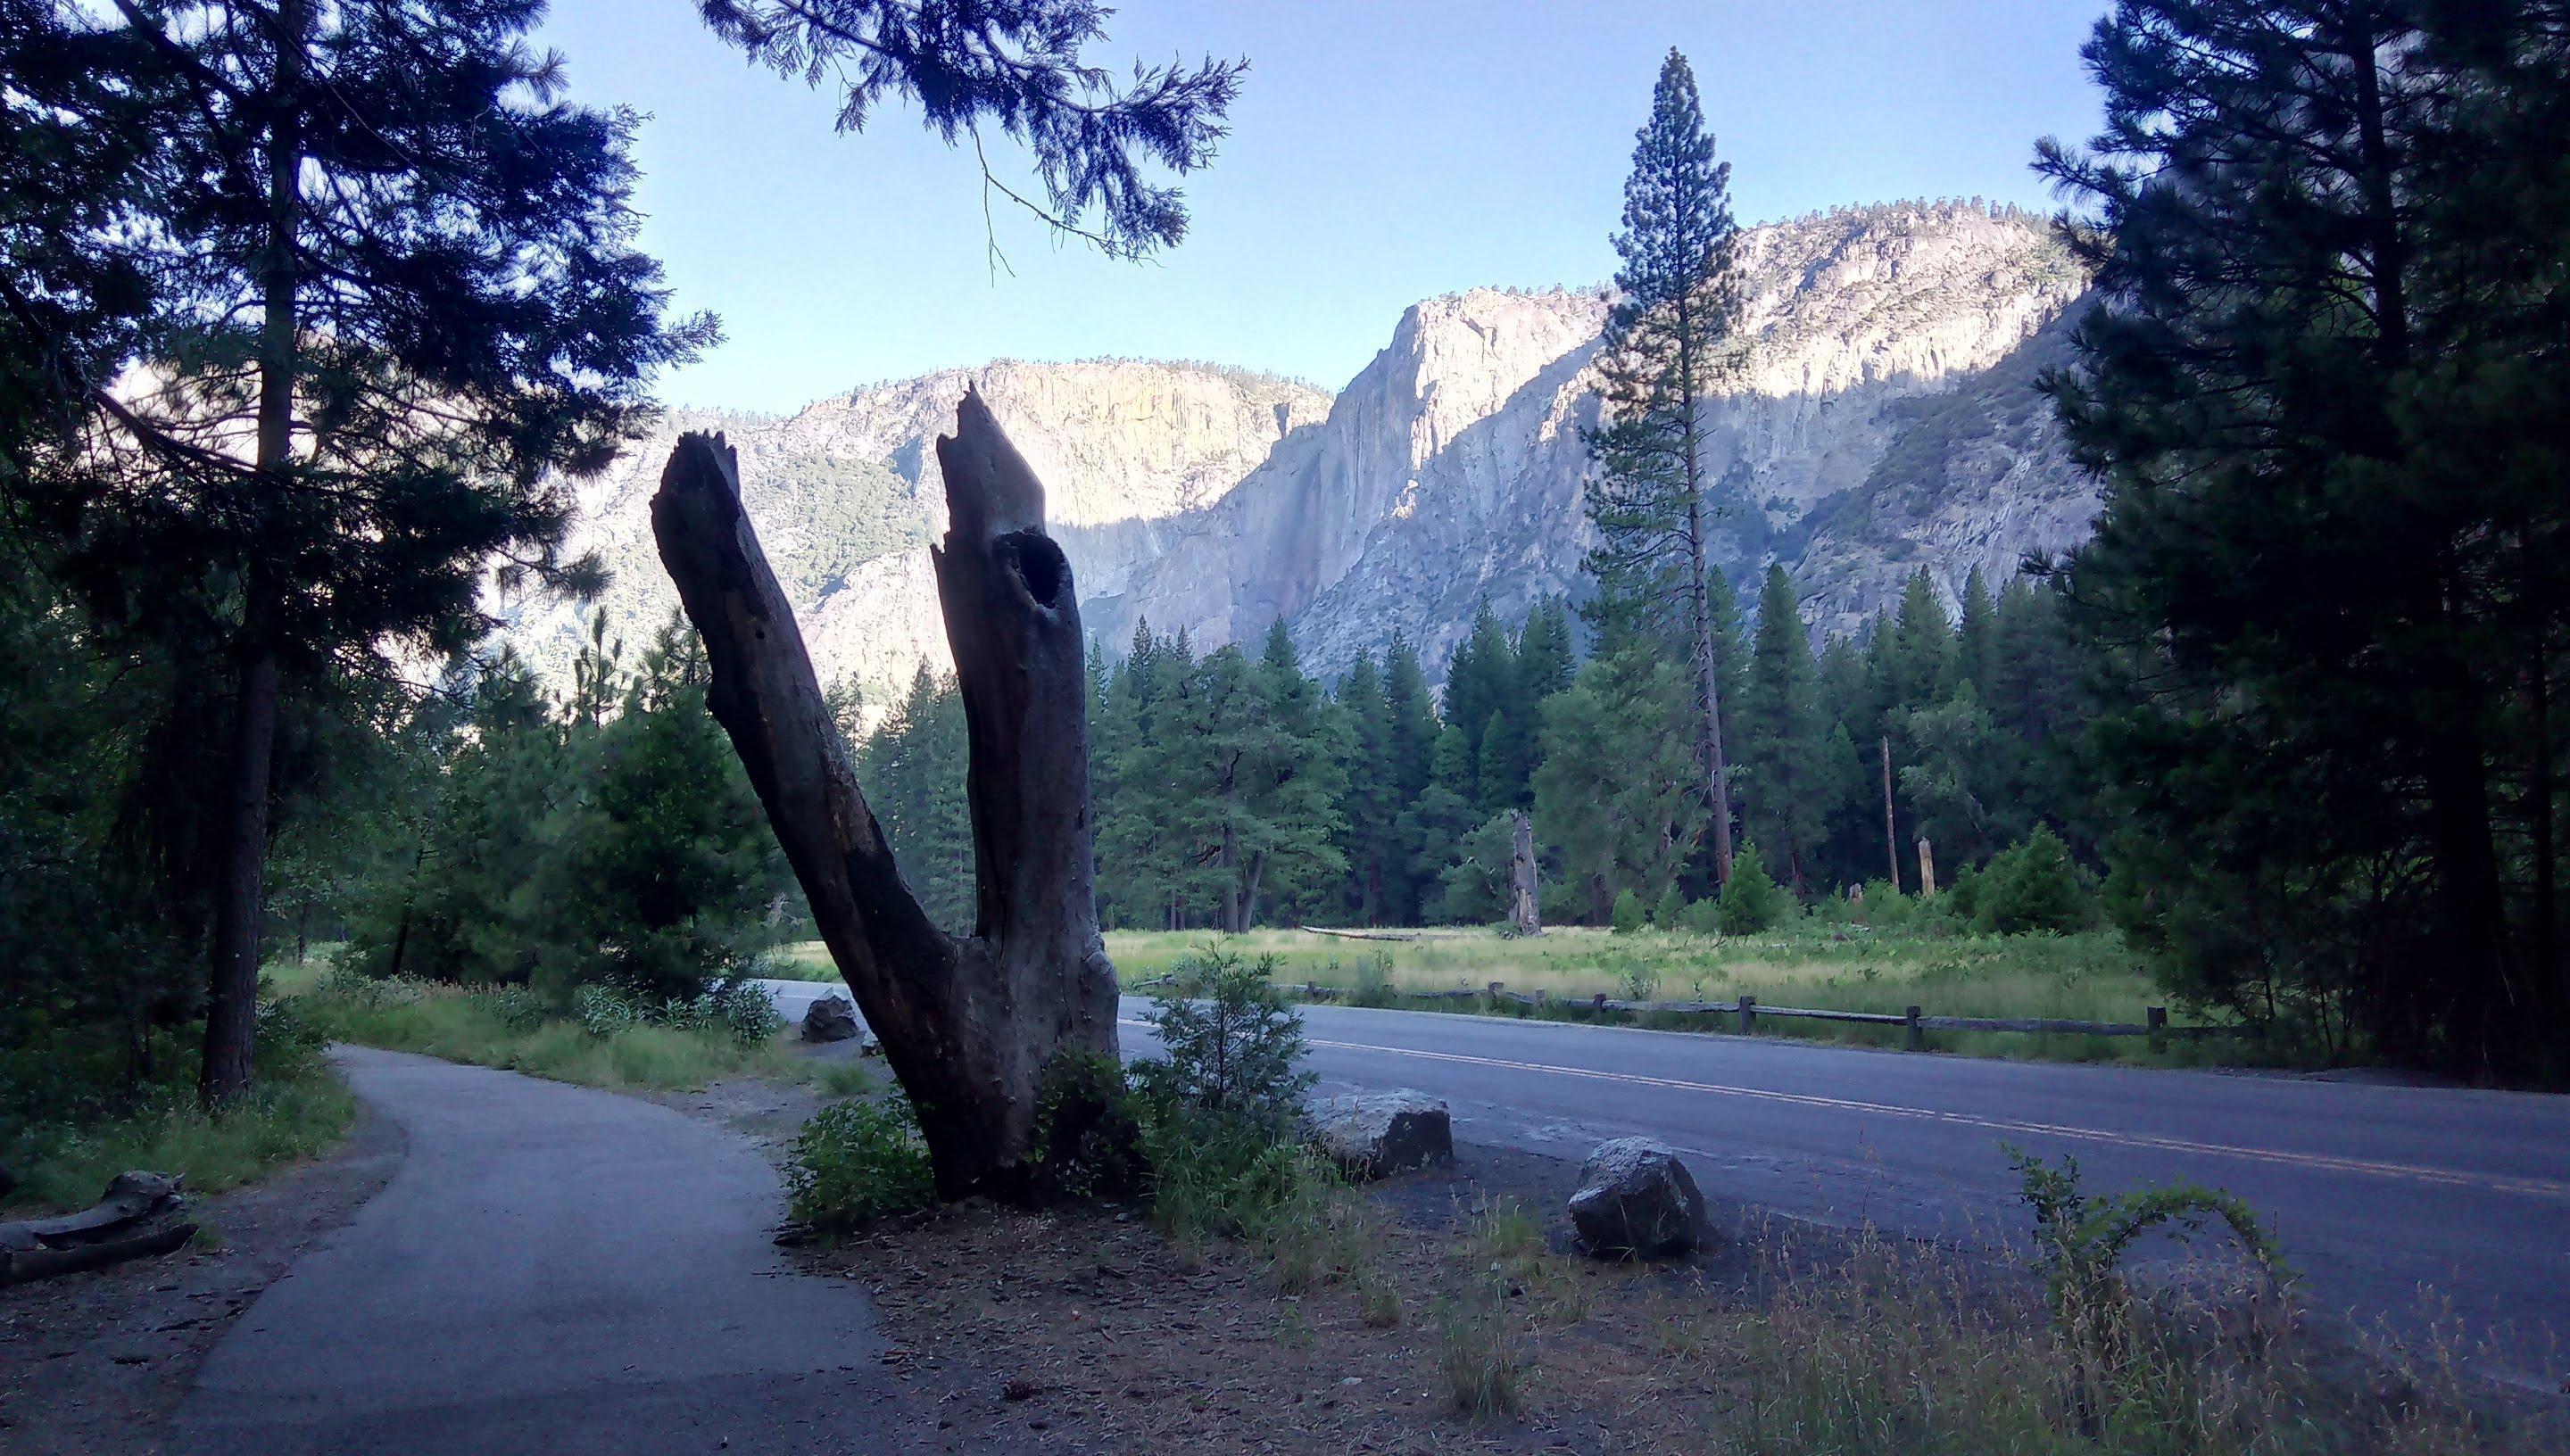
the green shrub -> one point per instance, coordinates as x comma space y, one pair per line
604, 1010
517, 1007
857, 1161
1087, 1134
1374, 985
2031, 886
1670, 912
745, 1011
1626, 916
1219, 1107
1704, 916
1229, 1043
1752, 901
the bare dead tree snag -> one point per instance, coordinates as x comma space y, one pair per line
1524, 917
974, 1024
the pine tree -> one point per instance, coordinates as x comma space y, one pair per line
1369, 805
1675, 305
2328, 575
912, 771
385, 282
1976, 637
658, 875
1412, 715
1615, 799
1783, 737
1438, 820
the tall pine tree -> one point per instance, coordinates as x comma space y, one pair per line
1674, 309
387, 289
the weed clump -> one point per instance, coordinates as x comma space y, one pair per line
858, 1160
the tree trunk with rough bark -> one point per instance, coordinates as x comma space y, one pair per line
973, 1026
1524, 916
232, 987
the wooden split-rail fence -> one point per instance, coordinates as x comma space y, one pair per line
1746, 1013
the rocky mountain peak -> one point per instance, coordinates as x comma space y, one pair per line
1879, 415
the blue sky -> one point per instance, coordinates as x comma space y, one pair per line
1381, 152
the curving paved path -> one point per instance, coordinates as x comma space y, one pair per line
553, 1271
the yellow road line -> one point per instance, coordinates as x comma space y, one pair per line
2530, 1187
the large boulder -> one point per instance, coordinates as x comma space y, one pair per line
1637, 1200
831, 1018
1372, 1134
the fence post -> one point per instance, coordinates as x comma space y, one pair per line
1748, 1015
2156, 1018
1917, 1033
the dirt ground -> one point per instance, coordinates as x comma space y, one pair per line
94, 1363
1092, 1333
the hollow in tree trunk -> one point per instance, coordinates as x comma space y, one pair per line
970, 1024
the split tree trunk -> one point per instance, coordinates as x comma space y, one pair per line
969, 1024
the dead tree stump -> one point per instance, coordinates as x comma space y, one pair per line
1524, 917
973, 1026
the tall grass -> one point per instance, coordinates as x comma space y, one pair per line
2089, 977
489, 1031
280, 1121
1891, 1352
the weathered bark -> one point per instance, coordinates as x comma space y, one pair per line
232, 992
969, 1024
1891, 837
142, 1214
231, 1000
1927, 870
1524, 917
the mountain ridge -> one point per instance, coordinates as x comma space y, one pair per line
1880, 416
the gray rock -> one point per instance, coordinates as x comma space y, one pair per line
1637, 1200
1372, 1134
831, 1018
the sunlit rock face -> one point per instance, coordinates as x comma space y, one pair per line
1880, 416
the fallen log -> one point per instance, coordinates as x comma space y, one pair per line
1357, 934
140, 1216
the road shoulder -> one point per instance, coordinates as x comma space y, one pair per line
98, 1363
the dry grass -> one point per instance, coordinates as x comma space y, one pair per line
1808, 1342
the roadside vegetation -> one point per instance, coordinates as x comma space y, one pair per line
66, 1129
1449, 1304
1934, 961
601, 1039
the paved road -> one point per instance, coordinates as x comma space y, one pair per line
2381, 1195
553, 1271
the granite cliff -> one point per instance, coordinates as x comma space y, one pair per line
1880, 416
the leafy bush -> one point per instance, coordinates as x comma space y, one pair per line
1229, 1043
857, 1161
285, 1044
1220, 1107
1704, 916
746, 1009
517, 1007
1753, 900
1088, 1135
604, 1010
2032, 886
1626, 916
